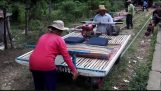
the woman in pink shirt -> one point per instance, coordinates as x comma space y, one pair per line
42, 60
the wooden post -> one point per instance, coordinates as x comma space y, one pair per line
26, 16
8, 32
4, 36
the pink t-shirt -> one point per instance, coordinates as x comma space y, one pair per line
48, 47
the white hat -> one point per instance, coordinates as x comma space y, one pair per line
58, 24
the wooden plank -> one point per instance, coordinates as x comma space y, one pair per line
78, 61
98, 65
82, 63
101, 64
92, 64
104, 62
88, 63
95, 65
105, 65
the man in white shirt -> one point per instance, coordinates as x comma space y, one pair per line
101, 18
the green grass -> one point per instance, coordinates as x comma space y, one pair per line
139, 81
112, 78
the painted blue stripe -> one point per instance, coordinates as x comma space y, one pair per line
30, 46
22, 59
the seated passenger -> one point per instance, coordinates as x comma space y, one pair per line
102, 17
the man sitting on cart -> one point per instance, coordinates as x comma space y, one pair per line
102, 17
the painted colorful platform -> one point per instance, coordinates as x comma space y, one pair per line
90, 67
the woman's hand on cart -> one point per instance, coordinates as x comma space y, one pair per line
75, 75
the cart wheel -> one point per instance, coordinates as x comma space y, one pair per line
118, 60
97, 83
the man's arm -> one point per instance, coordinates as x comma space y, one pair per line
95, 19
67, 57
110, 18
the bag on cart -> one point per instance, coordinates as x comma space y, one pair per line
113, 30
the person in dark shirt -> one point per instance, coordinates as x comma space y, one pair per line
157, 16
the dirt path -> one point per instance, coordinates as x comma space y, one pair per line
13, 76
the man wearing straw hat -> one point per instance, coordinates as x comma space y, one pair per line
102, 17
42, 59
130, 14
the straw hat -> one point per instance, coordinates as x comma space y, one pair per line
128, 0
102, 7
58, 24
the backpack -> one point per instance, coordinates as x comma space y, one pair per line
113, 30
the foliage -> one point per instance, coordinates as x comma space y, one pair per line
18, 11
39, 10
3, 4
36, 25
139, 81
39, 15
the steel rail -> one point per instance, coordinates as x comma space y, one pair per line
135, 37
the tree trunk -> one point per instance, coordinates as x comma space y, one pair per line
4, 36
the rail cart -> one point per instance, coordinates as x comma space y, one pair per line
95, 69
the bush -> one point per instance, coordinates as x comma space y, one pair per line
81, 11
56, 15
68, 7
72, 11
40, 10
18, 12
36, 25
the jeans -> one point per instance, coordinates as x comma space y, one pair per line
129, 21
44, 80
145, 7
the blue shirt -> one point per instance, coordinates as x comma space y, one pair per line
145, 4
103, 19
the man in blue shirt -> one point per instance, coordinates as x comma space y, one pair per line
101, 18
145, 5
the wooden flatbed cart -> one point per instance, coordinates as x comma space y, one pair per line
95, 69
